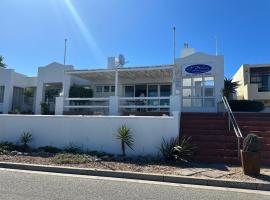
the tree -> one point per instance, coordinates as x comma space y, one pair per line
125, 136
230, 88
2, 64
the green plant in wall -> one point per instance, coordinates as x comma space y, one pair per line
125, 136
26, 139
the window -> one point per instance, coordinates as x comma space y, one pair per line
208, 92
106, 88
186, 102
197, 102
129, 91
187, 92
197, 92
112, 88
209, 81
197, 82
99, 88
152, 90
165, 90
186, 82
2, 91
209, 102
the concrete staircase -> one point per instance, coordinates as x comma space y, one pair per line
215, 143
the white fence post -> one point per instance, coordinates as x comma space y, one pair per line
175, 103
59, 105
114, 105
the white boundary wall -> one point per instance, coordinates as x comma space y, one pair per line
91, 132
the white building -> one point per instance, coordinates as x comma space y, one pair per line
193, 84
254, 82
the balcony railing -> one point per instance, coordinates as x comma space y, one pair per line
144, 103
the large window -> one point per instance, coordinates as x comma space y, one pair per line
199, 92
261, 76
2, 91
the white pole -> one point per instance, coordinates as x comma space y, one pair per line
65, 52
216, 41
116, 82
173, 81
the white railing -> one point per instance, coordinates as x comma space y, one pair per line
86, 103
232, 122
144, 103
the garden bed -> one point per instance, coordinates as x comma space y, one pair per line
137, 164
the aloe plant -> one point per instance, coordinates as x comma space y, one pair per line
125, 136
26, 138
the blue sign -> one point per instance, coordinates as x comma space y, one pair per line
198, 69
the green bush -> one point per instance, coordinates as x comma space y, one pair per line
177, 150
49, 149
246, 105
251, 143
7, 146
76, 91
26, 139
72, 149
44, 108
124, 134
67, 158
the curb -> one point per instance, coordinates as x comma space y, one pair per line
139, 176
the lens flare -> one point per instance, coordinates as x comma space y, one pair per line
86, 34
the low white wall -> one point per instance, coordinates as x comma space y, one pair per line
90, 132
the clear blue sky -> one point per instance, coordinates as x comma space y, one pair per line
32, 32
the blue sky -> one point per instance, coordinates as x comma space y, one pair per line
32, 32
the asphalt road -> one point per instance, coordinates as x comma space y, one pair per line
19, 185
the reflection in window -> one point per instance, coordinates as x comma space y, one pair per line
99, 88
197, 102
106, 88
209, 81
197, 92
129, 91
209, 102
186, 102
197, 82
165, 90
186, 82
2, 91
187, 92
208, 92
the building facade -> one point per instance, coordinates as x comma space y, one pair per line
192, 84
254, 82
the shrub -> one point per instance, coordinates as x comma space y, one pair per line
126, 138
26, 138
49, 149
246, 105
76, 91
251, 143
67, 158
167, 148
72, 148
44, 108
7, 146
175, 149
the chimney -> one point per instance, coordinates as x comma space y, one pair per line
186, 51
111, 63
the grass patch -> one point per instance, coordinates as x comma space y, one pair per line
68, 158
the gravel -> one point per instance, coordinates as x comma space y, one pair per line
151, 166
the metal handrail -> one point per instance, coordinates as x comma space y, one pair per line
232, 120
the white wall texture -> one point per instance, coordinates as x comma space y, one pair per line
91, 132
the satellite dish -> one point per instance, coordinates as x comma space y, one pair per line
121, 60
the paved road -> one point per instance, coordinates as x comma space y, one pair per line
19, 185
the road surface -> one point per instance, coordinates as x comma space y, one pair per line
26, 185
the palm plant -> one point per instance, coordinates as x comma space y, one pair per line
26, 138
229, 88
2, 64
125, 136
